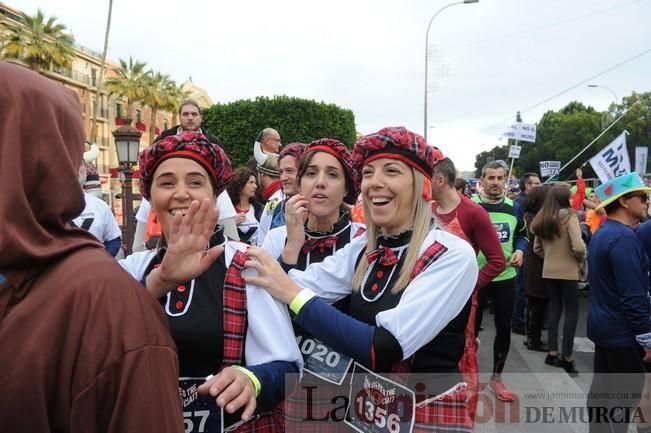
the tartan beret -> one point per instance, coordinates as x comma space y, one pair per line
399, 143
189, 144
339, 150
292, 149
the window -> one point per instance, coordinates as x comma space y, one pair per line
139, 116
119, 110
93, 77
165, 125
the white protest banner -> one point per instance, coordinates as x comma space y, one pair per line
514, 151
521, 131
549, 168
641, 155
612, 160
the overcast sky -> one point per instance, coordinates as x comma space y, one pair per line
487, 60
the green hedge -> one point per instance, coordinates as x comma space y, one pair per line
238, 123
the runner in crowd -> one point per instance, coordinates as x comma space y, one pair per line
410, 283
221, 325
511, 232
468, 220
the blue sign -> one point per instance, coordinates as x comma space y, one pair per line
379, 405
321, 360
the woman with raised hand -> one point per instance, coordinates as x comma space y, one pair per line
317, 225
221, 325
410, 286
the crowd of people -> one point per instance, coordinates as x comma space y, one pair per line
378, 255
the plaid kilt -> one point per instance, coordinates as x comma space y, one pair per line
310, 408
448, 414
266, 423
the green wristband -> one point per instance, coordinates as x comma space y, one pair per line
256, 382
300, 300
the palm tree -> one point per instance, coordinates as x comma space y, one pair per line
93, 128
129, 83
40, 43
156, 96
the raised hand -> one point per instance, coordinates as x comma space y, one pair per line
271, 275
186, 256
296, 213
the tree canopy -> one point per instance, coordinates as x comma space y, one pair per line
296, 119
562, 134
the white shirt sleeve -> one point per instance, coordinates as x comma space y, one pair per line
331, 279
111, 228
270, 336
435, 297
136, 263
143, 211
274, 242
225, 206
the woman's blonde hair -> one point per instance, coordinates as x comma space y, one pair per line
422, 213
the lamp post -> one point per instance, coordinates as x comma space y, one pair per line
427, 56
127, 146
605, 116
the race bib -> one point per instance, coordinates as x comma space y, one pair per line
503, 232
200, 412
379, 405
322, 361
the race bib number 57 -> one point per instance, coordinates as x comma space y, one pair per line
379, 405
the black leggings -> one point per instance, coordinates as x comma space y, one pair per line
562, 294
502, 295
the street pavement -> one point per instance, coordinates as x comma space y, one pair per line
548, 399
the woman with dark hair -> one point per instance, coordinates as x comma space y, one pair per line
534, 285
558, 242
241, 191
221, 325
318, 224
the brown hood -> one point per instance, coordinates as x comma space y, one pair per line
41, 149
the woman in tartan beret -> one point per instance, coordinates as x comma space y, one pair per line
409, 286
197, 277
317, 225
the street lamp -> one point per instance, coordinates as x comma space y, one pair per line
605, 116
427, 55
607, 88
127, 146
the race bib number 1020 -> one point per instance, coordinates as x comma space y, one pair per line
379, 405
321, 360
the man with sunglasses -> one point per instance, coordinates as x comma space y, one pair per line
619, 318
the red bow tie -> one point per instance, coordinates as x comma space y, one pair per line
385, 254
322, 243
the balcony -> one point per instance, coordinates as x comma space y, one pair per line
72, 74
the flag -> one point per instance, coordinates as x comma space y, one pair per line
612, 160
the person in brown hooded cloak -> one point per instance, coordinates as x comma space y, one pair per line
82, 346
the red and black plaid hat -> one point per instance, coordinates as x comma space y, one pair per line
295, 149
339, 150
398, 143
189, 144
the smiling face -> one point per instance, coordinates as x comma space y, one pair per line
388, 194
288, 170
176, 182
323, 183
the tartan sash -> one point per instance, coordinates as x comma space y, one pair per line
235, 314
